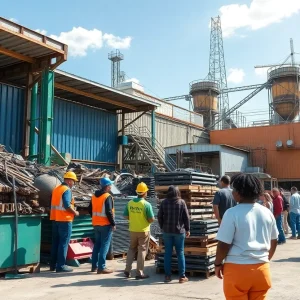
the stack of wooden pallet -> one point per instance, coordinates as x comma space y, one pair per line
200, 247
198, 199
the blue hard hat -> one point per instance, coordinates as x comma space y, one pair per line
105, 182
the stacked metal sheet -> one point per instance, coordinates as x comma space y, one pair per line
185, 178
200, 249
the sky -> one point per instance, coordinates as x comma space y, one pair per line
166, 42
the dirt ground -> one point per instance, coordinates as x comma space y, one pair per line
83, 285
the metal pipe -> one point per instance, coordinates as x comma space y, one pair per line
16, 228
32, 143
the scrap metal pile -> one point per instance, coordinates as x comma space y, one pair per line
27, 194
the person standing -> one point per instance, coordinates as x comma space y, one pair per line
295, 213
102, 211
266, 200
173, 219
62, 214
223, 199
140, 215
285, 212
247, 240
277, 210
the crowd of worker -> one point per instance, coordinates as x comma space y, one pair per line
252, 223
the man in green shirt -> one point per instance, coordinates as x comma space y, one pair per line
140, 215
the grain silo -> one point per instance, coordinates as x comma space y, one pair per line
205, 99
285, 92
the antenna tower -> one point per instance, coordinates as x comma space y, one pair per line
217, 69
115, 58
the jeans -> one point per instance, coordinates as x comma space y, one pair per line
103, 235
61, 234
177, 240
281, 236
295, 223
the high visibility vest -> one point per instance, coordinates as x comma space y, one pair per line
99, 217
58, 212
138, 221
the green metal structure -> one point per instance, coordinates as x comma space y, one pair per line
32, 137
29, 240
46, 112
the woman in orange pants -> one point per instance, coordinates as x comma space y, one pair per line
247, 241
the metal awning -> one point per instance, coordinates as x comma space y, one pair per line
84, 91
19, 44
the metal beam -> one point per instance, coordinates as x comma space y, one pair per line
17, 55
33, 111
93, 96
132, 121
239, 104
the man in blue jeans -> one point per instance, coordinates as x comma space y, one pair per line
295, 213
277, 211
102, 212
173, 219
62, 215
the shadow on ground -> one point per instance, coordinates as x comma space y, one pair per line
290, 259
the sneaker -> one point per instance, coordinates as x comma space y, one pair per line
64, 269
127, 274
183, 280
167, 279
105, 271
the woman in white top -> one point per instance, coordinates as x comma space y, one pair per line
266, 201
247, 241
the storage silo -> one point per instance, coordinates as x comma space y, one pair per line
205, 98
285, 91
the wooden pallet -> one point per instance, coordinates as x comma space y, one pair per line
192, 250
190, 188
193, 204
29, 268
191, 273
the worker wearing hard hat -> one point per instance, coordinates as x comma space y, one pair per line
102, 211
140, 215
62, 215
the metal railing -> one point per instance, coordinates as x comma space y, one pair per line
154, 143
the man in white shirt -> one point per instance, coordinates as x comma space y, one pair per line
295, 213
247, 241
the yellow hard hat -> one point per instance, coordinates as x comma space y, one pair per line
70, 175
142, 188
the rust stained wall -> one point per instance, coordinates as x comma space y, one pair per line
281, 164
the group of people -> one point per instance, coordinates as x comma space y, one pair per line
250, 229
252, 224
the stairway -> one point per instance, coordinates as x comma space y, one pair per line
155, 155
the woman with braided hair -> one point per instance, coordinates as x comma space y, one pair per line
247, 241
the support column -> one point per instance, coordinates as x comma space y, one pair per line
122, 146
33, 108
46, 112
26, 134
153, 132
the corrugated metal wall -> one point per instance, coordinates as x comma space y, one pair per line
85, 132
168, 132
281, 164
233, 160
12, 104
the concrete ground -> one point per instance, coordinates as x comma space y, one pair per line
83, 285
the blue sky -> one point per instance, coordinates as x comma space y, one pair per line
166, 42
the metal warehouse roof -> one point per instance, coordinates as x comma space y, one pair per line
201, 148
81, 90
20, 44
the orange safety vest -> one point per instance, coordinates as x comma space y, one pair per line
99, 217
58, 212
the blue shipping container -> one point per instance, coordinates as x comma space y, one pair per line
85, 132
12, 105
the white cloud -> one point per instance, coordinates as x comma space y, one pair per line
80, 40
259, 14
117, 42
236, 75
41, 31
13, 20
